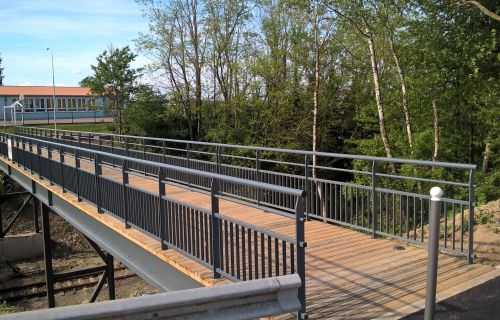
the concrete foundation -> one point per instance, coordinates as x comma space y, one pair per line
24, 246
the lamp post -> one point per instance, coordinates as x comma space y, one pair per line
53, 89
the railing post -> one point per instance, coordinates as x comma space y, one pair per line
124, 193
126, 146
77, 174
301, 256
97, 173
79, 139
306, 185
61, 166
161, 206
374, 199
49, 157
218, 159
39, 158
188, 163
215, 234
163, 151
470, 248
30, 146
432, 261
257, 174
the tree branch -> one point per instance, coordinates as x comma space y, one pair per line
483, 9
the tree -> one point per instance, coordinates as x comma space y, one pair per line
114, 79
1, 72
176, 45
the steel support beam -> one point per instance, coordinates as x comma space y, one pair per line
145, 264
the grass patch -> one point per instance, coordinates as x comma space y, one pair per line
92, 127
5, 308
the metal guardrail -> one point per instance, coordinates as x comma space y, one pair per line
383, 206
232, 248
238, 301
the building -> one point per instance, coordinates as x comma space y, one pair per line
19, 103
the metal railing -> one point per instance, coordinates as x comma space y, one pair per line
230, 247
236, 301
369, 197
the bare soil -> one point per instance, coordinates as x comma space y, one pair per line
71, 251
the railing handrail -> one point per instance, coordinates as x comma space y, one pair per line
216, 176
452, 165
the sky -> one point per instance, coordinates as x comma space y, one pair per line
76, 32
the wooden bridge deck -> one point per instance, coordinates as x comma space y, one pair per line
349, 275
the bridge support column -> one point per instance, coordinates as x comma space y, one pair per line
108, 273
47, 253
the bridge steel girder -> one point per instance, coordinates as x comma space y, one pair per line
146, 265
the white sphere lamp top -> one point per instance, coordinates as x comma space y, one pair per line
436, 193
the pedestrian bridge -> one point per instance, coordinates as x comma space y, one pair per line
184, 214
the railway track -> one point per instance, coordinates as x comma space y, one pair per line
38, 289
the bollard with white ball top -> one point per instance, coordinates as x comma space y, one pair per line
432, 262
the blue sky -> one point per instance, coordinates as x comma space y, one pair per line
76, 31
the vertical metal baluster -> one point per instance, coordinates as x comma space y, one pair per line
256, 254
276, 258
445, 227
124, 193
249, 240
453, 226
470, 248
374, 199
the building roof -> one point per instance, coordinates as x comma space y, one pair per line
43, 91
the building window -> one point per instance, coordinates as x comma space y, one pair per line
29, 106
61, 104
41, 107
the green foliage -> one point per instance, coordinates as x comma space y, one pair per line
6, 308
257, 61
114, 79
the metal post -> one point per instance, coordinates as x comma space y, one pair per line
124, 192
35, 214
97, 173
306, 184
432, 262
77, 176
470, 249
215, 228
61, 167
110, 275
47, 251
1, 224
126, 146
374, 199
161, 206
301, 257
257, 173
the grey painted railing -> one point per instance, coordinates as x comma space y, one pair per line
232, 248
245, 300
383, 203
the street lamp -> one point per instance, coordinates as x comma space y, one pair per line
54, 89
